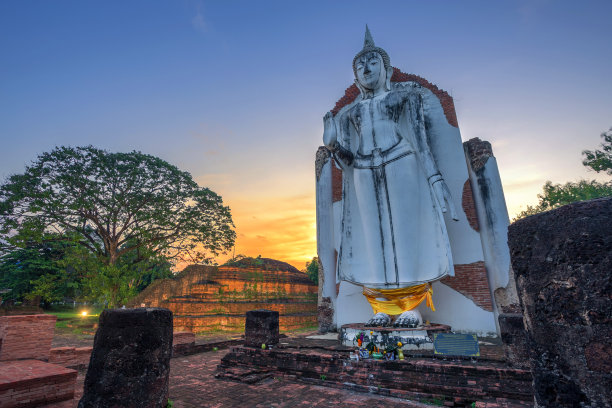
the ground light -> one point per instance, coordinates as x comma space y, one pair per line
84, 313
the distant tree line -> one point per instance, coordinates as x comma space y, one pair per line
87, 224
556, 195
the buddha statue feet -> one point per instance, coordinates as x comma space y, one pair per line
409, 318
379, 319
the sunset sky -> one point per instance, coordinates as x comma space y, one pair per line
234, 91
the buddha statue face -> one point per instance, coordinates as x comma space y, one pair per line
370, 71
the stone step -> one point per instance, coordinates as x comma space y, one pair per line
217, 308
32, 383
223, 286
226, 322
273, 300
461, 382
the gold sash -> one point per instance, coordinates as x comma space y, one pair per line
400, 300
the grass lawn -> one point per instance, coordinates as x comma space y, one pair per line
71, 320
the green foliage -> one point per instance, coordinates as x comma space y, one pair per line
113, 285
557, 195
600, 160
312, 270
35, 271
241, 260
124, 217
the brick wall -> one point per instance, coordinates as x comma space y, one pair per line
26, 336
467, 202
457, 382
478, 152
336, 183
70, 356
471, 281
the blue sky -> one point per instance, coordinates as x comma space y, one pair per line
235, 91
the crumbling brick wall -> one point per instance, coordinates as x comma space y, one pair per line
26, 336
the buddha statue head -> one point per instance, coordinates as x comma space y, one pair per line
372, 68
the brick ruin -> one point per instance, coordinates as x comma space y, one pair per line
27, 376
209, 298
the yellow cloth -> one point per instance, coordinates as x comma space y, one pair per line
400, 300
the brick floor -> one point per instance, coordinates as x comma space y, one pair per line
30, 383
192, 384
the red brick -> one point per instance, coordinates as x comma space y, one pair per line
471, 280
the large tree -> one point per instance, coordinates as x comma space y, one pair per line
113, 205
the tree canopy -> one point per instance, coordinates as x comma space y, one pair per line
125, 211
312, 270
556, 195
600, 160
114, 203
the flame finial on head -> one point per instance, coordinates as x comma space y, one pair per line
368, 41
368, 46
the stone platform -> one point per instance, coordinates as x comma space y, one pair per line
32, 383
487, 381
420, 338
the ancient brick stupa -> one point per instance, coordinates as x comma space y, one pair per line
205, 298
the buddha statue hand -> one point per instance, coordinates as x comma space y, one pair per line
330, 132
444, 198
379, 319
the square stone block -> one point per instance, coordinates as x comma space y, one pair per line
261, 327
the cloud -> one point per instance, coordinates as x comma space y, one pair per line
198, 22
529, 11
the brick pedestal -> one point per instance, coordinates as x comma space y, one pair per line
32, 383
261, 327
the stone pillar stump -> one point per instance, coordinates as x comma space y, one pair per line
130, 362
261, 327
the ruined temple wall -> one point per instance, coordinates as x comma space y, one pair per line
238, 308
162, 289
493, 220
279, 287
217, 298
198, 324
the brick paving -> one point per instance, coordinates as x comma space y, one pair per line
34, 382
192, 384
